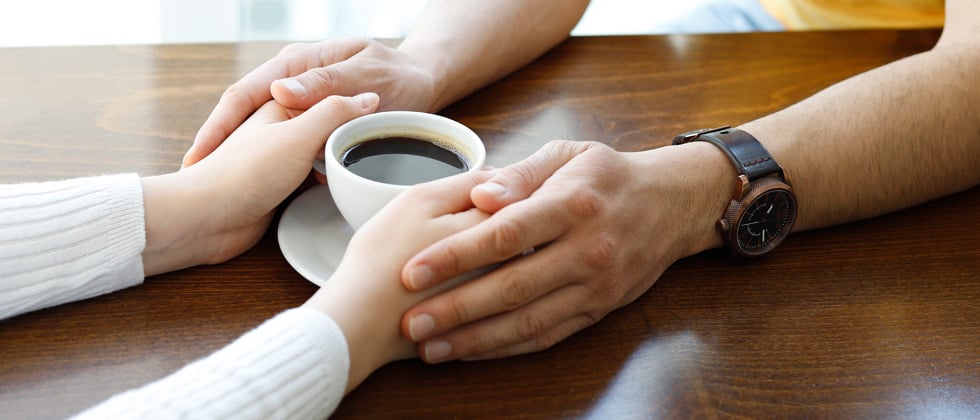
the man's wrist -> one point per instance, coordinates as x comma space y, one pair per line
437, 68
704, 181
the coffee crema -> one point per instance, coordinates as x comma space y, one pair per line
403, 160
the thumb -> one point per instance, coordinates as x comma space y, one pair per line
304, 90
518, 181
325, 116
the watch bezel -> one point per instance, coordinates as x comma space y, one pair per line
737, 208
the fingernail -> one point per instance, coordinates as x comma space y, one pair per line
419, 277
294, 86
420, 326
492, 188
437, 351
367, 100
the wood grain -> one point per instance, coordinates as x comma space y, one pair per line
877, 318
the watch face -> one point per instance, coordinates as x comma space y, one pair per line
765, 221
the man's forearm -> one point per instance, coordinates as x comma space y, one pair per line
887, 139
468, 44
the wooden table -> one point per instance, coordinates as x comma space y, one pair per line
879, 318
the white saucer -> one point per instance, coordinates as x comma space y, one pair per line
313, 235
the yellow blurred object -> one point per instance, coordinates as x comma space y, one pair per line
853, 14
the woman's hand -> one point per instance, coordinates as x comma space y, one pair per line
220, 207
304, 74
365, 297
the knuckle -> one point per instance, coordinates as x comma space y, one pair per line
523, 175
293, 48
323, 76
530, 327
457, 312
237, 95
604, 294
233, 91
585, 203
594, 145
415, 194
602, 255
451, 259
570, 147
507, 238
472, 342
335, 101
515, 290
556, 146
589, 318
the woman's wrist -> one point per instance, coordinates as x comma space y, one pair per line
172, 224
368, 320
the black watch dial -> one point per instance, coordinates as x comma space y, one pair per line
766, 221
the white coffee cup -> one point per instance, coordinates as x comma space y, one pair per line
359, 198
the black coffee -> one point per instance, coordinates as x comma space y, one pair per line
402, 160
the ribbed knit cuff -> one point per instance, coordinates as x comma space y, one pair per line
69, 240
294, 366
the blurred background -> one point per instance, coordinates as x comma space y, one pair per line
101, 22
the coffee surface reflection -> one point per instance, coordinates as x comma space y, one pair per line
403, 160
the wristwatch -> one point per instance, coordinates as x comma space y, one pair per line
763, 208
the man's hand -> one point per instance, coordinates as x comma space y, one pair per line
304, 74
603, 225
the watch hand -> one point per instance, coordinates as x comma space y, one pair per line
770, 208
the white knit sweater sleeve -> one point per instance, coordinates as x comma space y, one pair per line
69, 240
293, 366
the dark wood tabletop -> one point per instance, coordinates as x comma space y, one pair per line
878, 318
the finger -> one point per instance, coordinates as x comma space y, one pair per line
462, 220
268, 113
511, 286
237, 102
316, 80
254, 89
518, 181
314, 84
446, 200
324, 117
446, 195
506, 234
555, 336
531, 324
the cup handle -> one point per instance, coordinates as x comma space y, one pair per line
320, 166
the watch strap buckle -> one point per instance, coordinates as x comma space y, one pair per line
693, 135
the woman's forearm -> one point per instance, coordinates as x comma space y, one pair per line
69, 240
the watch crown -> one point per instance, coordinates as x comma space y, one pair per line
724, 225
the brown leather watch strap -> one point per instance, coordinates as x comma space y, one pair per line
748, 155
